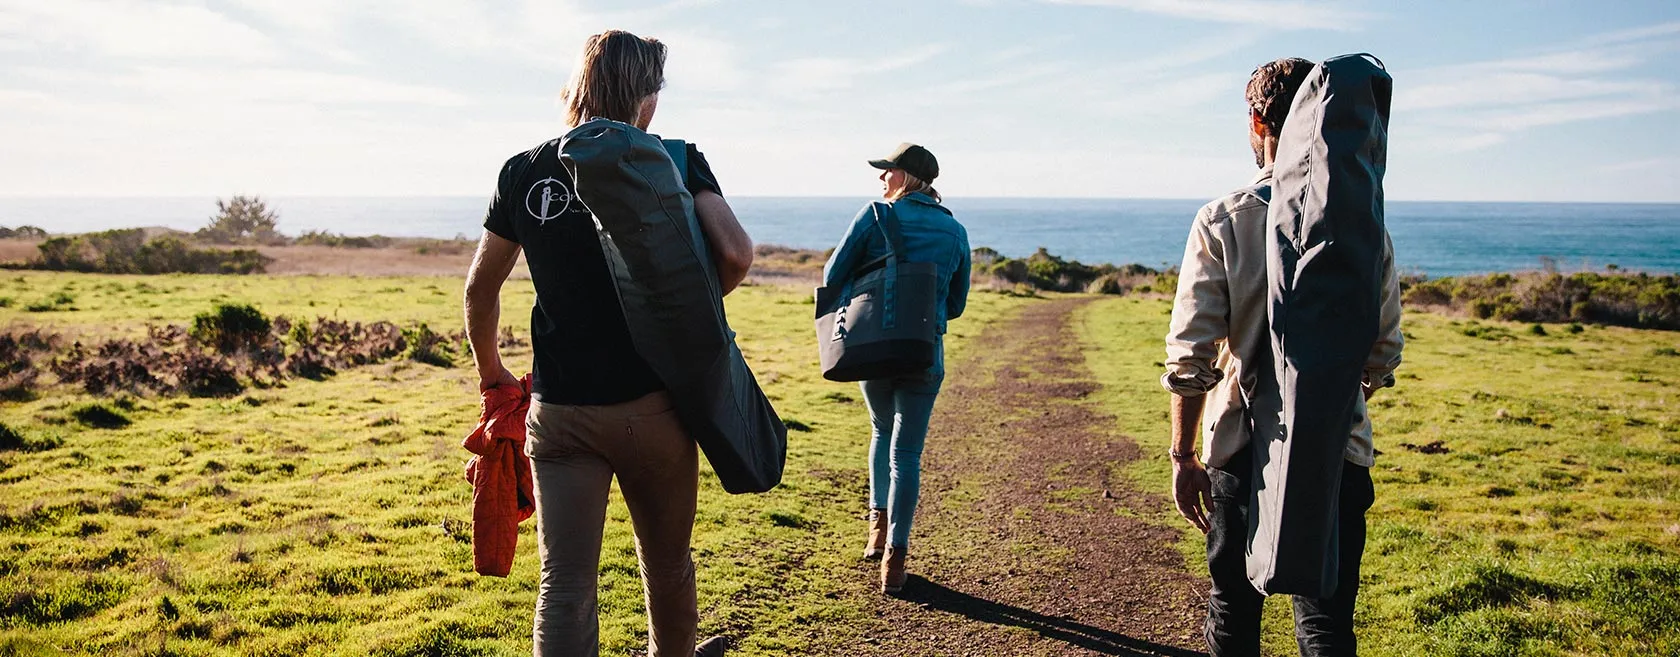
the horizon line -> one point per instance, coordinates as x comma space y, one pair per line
114, 197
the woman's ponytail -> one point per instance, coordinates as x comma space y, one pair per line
914, 185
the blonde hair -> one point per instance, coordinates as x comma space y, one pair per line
615, 73
912, 184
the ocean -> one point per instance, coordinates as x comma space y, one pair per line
1430, 238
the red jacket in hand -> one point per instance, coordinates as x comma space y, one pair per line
501, 477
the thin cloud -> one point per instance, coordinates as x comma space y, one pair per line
285, 85
1481, 104
1640, 165
1284, 14
1637, 34
808, 77
132, 30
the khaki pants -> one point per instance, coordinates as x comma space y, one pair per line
575, 451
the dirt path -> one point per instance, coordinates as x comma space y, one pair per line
1029, 540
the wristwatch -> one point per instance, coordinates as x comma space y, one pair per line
1180, 456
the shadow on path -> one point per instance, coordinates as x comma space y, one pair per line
1103, 642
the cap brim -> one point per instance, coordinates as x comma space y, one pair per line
883, 164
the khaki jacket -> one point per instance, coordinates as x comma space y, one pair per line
1219, 323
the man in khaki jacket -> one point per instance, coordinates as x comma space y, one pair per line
1218, 329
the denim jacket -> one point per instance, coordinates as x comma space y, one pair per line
931, 234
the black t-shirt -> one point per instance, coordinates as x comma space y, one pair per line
580, 341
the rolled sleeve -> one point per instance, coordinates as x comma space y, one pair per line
1385, 354
1200, 317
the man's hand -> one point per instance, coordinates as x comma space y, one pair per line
489, 380
1192, 492
482, 303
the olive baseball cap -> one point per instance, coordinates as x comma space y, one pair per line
913, 159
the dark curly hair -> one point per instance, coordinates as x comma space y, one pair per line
1271, 90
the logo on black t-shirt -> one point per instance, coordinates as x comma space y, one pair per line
548, 199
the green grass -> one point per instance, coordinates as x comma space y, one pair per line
1549, 526
332, 517
107, 304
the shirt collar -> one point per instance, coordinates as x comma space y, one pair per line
925, 200
1265, 175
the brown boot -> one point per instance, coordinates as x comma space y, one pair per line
713, 647
877, 534
892, 570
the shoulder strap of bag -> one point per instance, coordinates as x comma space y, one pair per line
678, 149
887, 219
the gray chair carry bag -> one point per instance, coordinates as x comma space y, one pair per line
668, 289
880, 324
1324, 244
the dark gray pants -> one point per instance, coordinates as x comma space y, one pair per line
1323, 627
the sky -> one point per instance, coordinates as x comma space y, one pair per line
1500, 100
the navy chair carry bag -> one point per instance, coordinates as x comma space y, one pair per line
881, 323
668, 289
1325, 253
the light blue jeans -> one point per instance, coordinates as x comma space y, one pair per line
899, 410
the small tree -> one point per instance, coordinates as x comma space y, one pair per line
242, 220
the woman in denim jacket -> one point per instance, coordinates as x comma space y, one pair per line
899, 408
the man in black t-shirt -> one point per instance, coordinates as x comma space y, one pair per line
581, 343
598, 409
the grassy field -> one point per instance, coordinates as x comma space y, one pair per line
1528, 485
332, 517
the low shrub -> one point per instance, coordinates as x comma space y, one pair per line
22, 233
209, 375
1044, 271
446, 247
1110, 284
127, 251
19, 350
232, 328
1617, 298
427, 346
328, 238
229, 348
